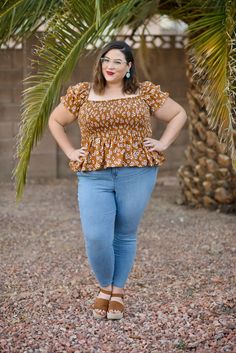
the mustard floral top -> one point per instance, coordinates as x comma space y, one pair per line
112, 131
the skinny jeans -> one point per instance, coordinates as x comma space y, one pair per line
111, 204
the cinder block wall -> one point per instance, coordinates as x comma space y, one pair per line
11, 75
167, 68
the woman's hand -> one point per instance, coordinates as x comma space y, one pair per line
155, 145
75, 155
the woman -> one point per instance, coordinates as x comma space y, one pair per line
117, 164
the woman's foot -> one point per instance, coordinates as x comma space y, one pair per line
101, 303
116, 305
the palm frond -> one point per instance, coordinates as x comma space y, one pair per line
215, 60
98, 13
65, 40
212, 43
19, 19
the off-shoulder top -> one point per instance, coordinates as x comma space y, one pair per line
112, 131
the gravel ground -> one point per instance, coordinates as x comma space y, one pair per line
180, 295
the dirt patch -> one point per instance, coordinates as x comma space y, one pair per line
180, 295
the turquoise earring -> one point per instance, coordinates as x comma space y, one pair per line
127, 74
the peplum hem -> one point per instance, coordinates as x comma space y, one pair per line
102, 153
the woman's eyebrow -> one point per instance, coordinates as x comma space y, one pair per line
110, 58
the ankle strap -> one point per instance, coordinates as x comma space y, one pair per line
118, 295
105, 291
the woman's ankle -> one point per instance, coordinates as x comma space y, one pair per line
108, 287
118, 290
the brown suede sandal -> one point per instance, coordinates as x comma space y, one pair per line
115, 309
101, 304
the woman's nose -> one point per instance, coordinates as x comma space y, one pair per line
111, 65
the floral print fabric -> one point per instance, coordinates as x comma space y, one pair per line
112, 131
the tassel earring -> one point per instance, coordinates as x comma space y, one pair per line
127, 74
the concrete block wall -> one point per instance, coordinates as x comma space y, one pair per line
11, 75
167, 68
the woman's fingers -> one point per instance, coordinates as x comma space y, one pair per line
148, 143
154, 145
77, 154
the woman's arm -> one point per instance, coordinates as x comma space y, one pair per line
175, 116
59, 118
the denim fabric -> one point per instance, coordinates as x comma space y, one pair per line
111, 204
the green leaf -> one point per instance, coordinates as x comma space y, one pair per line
19, 19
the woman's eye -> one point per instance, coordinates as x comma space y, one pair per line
117, 62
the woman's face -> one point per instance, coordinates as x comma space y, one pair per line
114, 66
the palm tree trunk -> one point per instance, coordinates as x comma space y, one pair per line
208, 179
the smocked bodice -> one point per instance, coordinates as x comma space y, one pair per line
112, 131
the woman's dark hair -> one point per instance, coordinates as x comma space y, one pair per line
130, 84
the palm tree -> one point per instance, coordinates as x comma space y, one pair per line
208, 178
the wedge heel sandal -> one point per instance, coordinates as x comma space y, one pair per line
101, 304
115, 309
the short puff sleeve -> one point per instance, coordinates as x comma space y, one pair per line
75, 97
153, 95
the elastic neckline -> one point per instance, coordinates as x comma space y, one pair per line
112, 99
108, 100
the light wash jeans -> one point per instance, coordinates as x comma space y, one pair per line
111, 204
